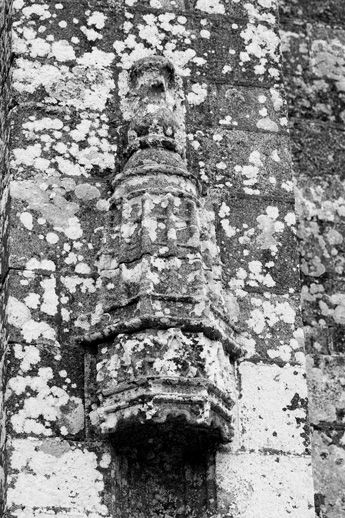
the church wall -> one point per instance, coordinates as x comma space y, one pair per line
71, 91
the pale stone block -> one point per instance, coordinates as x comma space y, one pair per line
55, 474
272, 408
264, 486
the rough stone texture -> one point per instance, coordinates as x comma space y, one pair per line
313, 46
273, 423
5, 102
326, 389
328, 472
330, 12
75, 483
264, 483
71, 152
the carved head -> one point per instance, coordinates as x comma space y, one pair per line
155, 73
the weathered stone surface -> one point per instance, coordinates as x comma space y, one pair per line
3, 373
263, 485
272, 407
45, 391
155, 376
260, 252
135, 236
330, 12
321, 233
5, 100
44, 394
241, 161
51, 218
57, 476
229, 107
315, 68
318, 150
246, 50
50, 308
326, 382
313, 52
211, 9
328, 470
272, 326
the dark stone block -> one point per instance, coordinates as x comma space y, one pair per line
241, 161
330, 12
313, 72
318, 150
246, 233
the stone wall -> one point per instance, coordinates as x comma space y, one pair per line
5, 58
72, 86
313, 36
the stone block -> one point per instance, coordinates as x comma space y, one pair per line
314, 72
4, 227
45, 392
3, 322
329, 473
326, 385
318, 150
34, 306
272, 326
329, 12
295, 45
225, 106
240, 161
273, 408
264, 486
46, 383
52, 221
258, 247
57, 476
322, 310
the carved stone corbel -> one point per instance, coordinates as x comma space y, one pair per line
166, 343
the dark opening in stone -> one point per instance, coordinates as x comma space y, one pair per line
165, 471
